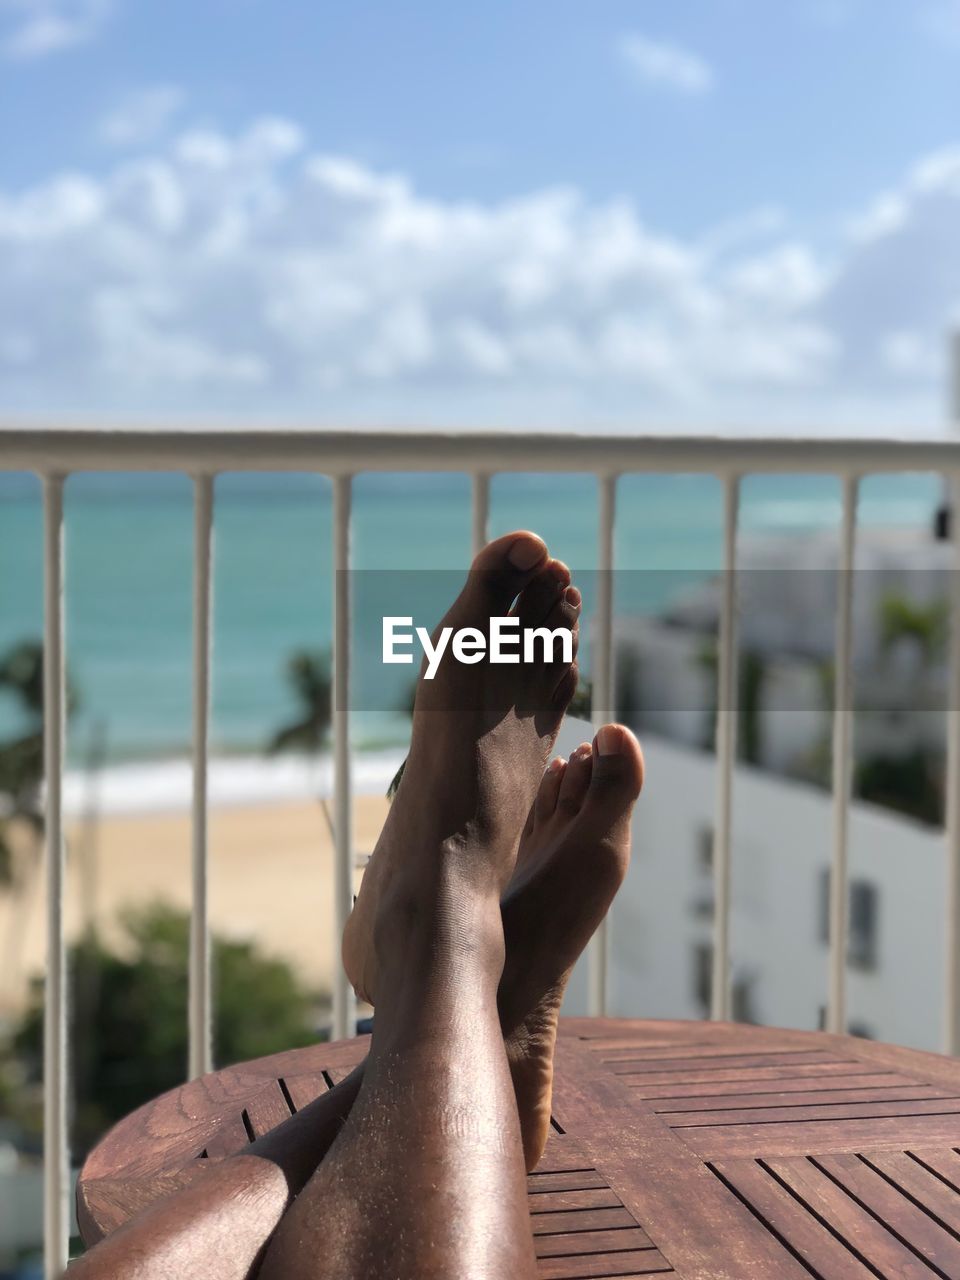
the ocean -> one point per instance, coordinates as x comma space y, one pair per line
129, 592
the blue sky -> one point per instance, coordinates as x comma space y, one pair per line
720, 212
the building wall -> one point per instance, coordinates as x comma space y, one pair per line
661, 920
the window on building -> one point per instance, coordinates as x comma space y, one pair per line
823, 905
862, 943
703, 975
862, 920
702, 902
704, 852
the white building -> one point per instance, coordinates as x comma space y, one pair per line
660, 932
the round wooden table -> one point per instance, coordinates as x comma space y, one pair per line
713, 1151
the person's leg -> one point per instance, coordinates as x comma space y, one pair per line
573, 857
426, 1180
571, 861
258, 1183
218, 1226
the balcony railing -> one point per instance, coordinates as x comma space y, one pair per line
55, 454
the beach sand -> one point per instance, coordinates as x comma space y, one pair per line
271, 883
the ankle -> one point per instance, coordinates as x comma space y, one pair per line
448, 936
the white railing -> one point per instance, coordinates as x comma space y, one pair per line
54, 454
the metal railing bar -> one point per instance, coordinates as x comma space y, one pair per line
56, 1181
726, 754
349, 452
200, 1014
842, 750
951, 1029
602, 707
479, 511
344, 1000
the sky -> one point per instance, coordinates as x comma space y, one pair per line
725, 213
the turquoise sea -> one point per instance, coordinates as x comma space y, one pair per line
129, 570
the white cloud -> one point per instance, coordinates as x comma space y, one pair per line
786, 278
911, 355
142, 116
31, 29
665, 66
248, 275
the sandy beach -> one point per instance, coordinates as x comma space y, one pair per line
271, 882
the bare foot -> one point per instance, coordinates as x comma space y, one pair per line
572, 859
482, 735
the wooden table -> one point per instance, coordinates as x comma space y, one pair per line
705, 1150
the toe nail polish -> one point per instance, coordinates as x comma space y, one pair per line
608, 740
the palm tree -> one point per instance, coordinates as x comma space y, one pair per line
21, 780
21, 757
310, 675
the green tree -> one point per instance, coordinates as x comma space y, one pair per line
309, 674
135, 1038
909, 783
925, 624
751, 678
753, 674
21, 757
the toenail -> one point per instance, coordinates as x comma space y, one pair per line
609, 740
525, 553
573, 596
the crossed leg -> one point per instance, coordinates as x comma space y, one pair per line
426, 1178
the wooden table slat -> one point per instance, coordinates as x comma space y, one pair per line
871, 1240
579, 1180
888, 1203
609, 1264
596, 1242
668, 1079
544, 1224
662, 1098
551, 1201
267, 1109
304, 1089
916, 1180
722, 1062
944, 1162
792, 1222
936, 1105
